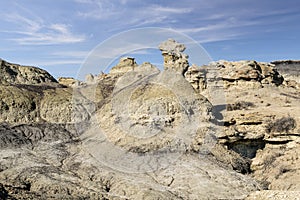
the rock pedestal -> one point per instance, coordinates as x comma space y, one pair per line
174, 58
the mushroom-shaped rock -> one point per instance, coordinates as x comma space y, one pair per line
174, 58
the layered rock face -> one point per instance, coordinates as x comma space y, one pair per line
251, 71
139, 133
248, 74
260, 118
17, 74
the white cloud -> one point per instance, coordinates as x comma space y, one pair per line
84, 1
70, 54
44, 62
220, 26
128, 13
28, 24
98, 9
172, 10
59, 62
35, 31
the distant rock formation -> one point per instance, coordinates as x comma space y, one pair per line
257, 73
286, 62
68, 81
239, 73
290, 70
288, 67
174, 58
18, 74
126, 64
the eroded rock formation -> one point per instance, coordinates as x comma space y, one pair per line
139, 133
17, 74
69, 81
248, 74
174, 58
126, 64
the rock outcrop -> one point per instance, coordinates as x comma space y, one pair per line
18, 105
240, 74
290, 70
273, 194
141, 133
68, 81
126, 64
18, 74
247, 73
288, 67
197, 76
32, 95
62, 105
262, 123
174, 58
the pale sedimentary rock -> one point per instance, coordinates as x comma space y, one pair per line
174, 58
18, 74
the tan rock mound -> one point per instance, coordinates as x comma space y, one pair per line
18, 74
18, 105
68, 81
126, 64
59, 106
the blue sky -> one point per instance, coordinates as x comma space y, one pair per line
58, 35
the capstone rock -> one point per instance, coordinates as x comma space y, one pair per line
174, 58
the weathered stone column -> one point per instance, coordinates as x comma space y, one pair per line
173, 57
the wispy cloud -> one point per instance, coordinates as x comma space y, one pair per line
98, 9
35, 31
59, 62
224, 25
158, 9
70, 54
127, 13
53, 63
83, 24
